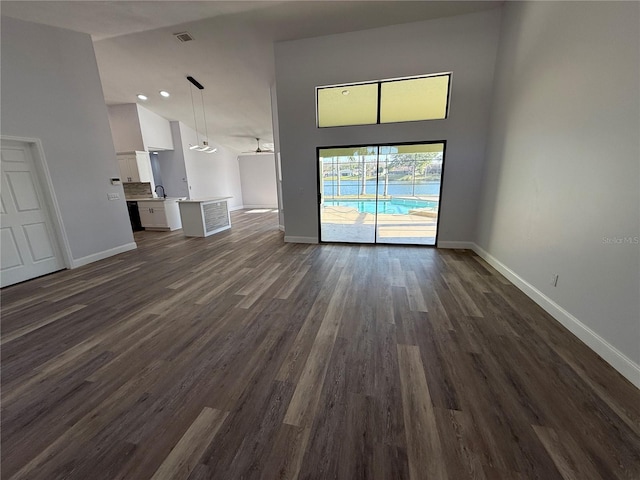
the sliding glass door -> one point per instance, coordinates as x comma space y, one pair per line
380, 193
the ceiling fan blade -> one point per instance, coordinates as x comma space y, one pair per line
259, 149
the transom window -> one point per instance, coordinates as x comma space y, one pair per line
385, 101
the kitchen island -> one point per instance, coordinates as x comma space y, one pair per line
205, 216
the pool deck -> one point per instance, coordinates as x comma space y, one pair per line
345, 224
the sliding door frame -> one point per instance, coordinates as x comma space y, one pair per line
378, 146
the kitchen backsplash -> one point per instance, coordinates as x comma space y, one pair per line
137, 190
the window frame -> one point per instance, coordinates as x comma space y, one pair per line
379, 99
319, 179
354, 84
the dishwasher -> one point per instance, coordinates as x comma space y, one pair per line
134, 216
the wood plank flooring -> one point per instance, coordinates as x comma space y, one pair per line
242, 357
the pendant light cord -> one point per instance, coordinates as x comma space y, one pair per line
204, 114
193, 107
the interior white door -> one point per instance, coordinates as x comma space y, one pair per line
28, 245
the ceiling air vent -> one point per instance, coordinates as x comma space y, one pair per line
183, 36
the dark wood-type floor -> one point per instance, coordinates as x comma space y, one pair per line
242, 357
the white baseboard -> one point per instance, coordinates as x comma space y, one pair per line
291, 239
456, 245
237, 207
623, 364
272, 207
79, 262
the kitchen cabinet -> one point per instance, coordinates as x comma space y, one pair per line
160, 214
127, 173
135, 128
135, 167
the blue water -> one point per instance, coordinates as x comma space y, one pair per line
353, 187
392, 207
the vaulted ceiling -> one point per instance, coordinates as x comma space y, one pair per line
231, 54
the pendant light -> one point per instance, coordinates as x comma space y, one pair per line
204, 146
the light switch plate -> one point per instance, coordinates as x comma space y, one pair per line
113, 196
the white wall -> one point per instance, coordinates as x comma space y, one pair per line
211, 174
51, 90
155, 168
563, 172
156, 132
125, 128
172, 169
465, 45
276, 149
258, 180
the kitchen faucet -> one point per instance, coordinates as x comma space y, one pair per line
164, 195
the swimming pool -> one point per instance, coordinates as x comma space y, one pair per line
393, 207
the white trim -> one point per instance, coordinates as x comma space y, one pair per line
291, 239
237, 207
47, 186
279, 167
456, 245
272, 207
281, 228
614, 357
94, 257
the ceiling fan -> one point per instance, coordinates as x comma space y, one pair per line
261, 150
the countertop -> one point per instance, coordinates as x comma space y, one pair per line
156, 199
204, 200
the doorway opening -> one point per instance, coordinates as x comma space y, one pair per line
386, 194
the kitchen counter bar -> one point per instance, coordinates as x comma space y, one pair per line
205, 216
205, 200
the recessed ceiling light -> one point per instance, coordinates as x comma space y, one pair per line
142, 97
164, 93
345, 92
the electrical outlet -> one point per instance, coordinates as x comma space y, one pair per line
554, 280
113, 196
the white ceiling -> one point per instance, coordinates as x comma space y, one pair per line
231, 55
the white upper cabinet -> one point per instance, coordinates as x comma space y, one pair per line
136, 167
156, 130
134, 128
126, 173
